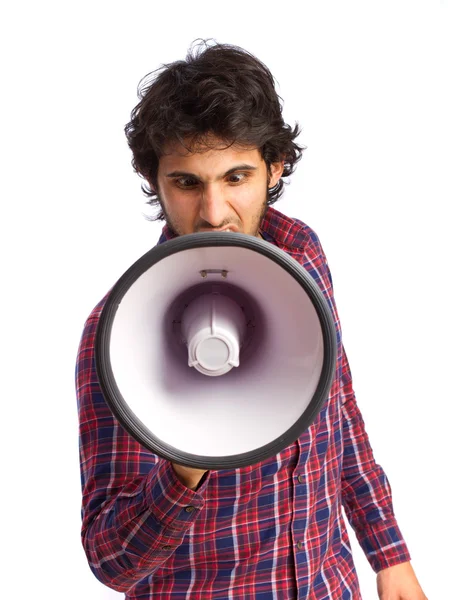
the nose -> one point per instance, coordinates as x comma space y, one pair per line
212, 205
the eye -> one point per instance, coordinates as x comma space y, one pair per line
242, 176
185, 182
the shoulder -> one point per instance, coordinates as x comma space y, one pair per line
292, 234
91, 323
97, 310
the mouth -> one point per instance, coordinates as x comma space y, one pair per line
231, 228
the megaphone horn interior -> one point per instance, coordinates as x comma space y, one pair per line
215, 350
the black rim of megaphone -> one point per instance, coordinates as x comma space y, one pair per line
119, 406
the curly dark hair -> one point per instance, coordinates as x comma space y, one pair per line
221, 90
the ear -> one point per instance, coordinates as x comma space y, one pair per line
151, 186
276, 170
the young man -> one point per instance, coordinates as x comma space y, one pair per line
209, 140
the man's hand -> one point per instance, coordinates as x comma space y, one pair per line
399, 583
188, 476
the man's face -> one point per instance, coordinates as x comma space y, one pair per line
221, 188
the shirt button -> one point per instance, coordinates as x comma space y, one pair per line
299, 545
167, 547
301, 479
190, 509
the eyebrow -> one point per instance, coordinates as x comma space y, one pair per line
244, 167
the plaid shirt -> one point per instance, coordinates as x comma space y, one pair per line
273, 530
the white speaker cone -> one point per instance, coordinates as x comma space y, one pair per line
281, 332
213, 326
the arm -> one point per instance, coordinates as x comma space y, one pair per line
367, 496
134, 504
366, 493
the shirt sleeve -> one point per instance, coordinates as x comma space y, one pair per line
135, 511
366, 492
367, 496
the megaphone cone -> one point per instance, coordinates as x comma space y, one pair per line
215, 350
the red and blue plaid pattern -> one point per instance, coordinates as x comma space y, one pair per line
274, 530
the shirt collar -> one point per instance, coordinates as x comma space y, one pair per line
287, 233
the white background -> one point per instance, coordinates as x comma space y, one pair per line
372, 85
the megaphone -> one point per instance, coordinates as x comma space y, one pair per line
215, 350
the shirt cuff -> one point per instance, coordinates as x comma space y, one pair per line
173, 504
384, 545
